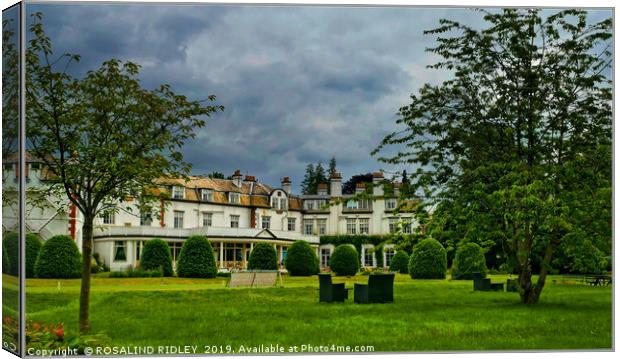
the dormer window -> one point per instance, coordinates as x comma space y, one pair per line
178, 192
234, 197
280, 204
206, 195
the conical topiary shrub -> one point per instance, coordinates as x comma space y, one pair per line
469, 259
33, 246
156, 255
196, 259
59, 258
428, 260
400, 262
301, 260
263, 257
345, 260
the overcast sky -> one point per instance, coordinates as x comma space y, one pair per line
300, 84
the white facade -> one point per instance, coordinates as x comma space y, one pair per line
233, 214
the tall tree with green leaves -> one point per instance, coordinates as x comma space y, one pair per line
104, 138
307, 185
319, 176
519, 139
332, 166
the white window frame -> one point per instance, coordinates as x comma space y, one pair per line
108, 217
406, 225
321, 226
351, 204
283, 204
178, 219
268, 222
234, 197
117, 245
393, 225
310, 223
309, 205
206, 195
207, 219
351, 226
365, 250
330, 250
386, 248
292, 221
146, 218
390, 203
364, 225
234, 218
176, 194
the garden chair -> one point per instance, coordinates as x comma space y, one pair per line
484, 284
380, 289
331, 292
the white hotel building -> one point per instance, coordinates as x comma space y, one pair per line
234, 214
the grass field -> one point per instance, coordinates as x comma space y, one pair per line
427, 315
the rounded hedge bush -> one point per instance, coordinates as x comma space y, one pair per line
156, 255
345, 260
400, 262
468, 260
263, 257
428, 260
33, 246
196, 259
59, 258
301, 260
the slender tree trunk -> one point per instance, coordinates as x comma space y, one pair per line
87, 250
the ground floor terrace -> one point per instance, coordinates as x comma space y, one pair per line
427, 315
121, 247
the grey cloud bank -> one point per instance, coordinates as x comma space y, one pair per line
300, 84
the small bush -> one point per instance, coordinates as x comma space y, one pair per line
33, 246
345, 260
196, 259
400, 262
301, 260
59, 258
263, 257
156, 255
469, 259
428, 260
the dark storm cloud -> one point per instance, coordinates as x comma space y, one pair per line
300, 84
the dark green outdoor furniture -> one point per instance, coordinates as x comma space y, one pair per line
380, 289
512, 285
331, 292
481, 283
484, 284
598, 280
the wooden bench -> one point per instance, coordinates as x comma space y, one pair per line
254, 279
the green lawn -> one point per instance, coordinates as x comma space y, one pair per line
427, 315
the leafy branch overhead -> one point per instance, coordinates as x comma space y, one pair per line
104, 138
515, 148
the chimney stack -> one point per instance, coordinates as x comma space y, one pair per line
360, 187
322, 189
286, 185
377, 184
335, 184
236, 178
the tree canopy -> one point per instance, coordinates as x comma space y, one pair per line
515, 148
104, 138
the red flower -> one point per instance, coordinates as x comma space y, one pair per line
7, 320
60, 333
36, 326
